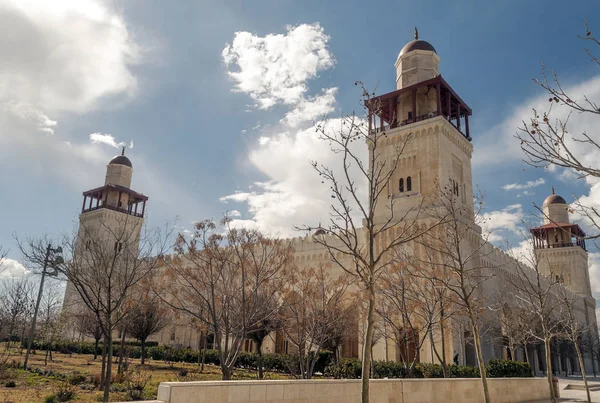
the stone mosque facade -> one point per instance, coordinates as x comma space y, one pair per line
440, 149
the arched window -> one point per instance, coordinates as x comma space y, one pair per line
401, 185
408, 184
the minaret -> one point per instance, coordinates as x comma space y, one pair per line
111, 217
427, 114
560, 246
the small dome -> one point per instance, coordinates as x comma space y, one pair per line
121, 160
417, 44
554, 199
320, 231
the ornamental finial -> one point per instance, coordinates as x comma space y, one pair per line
552, 189
416, 33
123, 151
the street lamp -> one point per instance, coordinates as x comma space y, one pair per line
55, 261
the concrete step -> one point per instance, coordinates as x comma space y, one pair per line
580, 386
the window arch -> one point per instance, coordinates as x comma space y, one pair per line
408, 184
401, 185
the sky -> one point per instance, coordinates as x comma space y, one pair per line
215, 102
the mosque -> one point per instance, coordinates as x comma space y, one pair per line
425, 106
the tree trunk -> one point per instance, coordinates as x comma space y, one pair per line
143, 355
103, 373
583, 374
527, 359
121, 352
226, 373
444, 366
203, 355
437, 354
260, 358
366, 362
109, 351
46, 357
549, 368
477, 339
96, 342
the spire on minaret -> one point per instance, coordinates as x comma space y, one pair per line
123, 151
416, 34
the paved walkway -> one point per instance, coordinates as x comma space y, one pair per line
576, 395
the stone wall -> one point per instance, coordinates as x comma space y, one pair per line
502, 390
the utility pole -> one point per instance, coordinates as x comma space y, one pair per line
56, 260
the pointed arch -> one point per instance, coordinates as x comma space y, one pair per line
401, 185
408, 183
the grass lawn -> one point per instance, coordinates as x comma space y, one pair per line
33, 387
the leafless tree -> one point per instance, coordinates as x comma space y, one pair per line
87, 324
225, 281
50, 320
314, 304
573, 328
537, 294
104, 263
453, 257
411, 309
149, 316
17, 299
270, 321
546, 140
364, 227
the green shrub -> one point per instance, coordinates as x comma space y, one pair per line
77, 379
507, 368
51, 399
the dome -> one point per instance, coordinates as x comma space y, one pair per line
417, 44
554, 199
320, 231
121, 160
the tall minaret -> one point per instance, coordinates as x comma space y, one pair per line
111, 216
560, 246
425, 110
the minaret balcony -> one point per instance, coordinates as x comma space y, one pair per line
558, 235
387, 107
115, 197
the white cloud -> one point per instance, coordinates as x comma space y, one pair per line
309, 110
521, 186
294, 194
65, 55
61, 58
498, 223
10, 268
29, 113
274, 68
107, 139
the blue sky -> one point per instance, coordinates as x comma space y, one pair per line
153, 73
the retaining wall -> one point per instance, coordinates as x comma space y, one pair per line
502, 390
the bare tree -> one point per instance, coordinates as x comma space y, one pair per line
572, 327
17, 298
269, 321
225, 281
364, 228
411, 309
314, 303
105, 263
87, 324
148, 317
537, 294
51, 323
453, 257
546, 140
